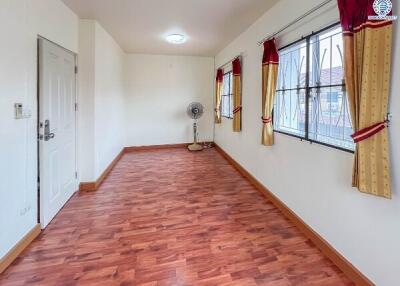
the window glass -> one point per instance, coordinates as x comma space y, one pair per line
324, 94
227, 98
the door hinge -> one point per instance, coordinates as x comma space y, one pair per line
76, 106
76, 175
76, 69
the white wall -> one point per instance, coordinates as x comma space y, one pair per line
109, 100
20, 23
315, 181
86, 78
159, 89
101, 100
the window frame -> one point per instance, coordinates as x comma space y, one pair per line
307, 90
229, 95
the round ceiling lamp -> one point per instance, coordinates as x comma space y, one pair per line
176, 39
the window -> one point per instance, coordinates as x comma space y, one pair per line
227, 98
311, 101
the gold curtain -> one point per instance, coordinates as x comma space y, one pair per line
237, 95
269, 79
367, 58
218, 95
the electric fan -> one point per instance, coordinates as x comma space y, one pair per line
195, 110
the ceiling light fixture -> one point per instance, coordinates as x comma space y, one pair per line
176, 39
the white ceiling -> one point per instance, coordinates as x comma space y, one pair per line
140, 26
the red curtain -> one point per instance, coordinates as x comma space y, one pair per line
271, 55
237, 95
367, 61
269, 80
354, 15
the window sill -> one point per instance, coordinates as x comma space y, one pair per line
315, 142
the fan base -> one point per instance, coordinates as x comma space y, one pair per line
195, 147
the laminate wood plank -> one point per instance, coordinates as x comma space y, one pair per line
171, 217
19, 247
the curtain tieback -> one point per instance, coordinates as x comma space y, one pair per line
237, 109
368, 132
266, 120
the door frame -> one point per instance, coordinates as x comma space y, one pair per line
41, 38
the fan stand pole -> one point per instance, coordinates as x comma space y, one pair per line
195, 146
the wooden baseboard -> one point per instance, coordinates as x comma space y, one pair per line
157, 147
18, 248
87, 186
154, 147
93, 186
353, 273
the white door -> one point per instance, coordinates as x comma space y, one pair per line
57, 129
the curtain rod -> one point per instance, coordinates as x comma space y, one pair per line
231, 60
294, 22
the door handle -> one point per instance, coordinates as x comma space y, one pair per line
47, 134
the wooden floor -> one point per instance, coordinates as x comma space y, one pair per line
170, 217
